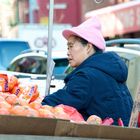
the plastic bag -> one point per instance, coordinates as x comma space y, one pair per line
74, 115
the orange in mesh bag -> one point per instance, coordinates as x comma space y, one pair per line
7, 82
4, 83
17, 90
29, 93
12, 82
74, 115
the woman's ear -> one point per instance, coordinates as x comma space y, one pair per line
90, 48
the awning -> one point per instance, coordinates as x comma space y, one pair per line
119, 19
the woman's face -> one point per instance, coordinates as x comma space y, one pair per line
77, 52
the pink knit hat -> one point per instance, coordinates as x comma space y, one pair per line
89, 30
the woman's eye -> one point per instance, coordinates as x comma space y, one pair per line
70, 46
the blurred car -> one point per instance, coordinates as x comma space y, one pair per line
9, 49
35, 62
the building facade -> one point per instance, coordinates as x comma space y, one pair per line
66, 12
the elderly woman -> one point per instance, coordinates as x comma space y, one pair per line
97, 84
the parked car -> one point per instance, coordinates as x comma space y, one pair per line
34, 61
9, 49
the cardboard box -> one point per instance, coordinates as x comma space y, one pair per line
97, 131
27, 125
55, 127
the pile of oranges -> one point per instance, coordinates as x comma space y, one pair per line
20, 98
10, 104
23, 99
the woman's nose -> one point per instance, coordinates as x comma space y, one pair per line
68, 53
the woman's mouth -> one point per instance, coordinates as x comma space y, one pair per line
69, 59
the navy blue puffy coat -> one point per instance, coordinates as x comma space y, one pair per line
97, 86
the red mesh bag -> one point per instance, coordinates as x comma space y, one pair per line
74, 115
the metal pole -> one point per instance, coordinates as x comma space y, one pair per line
49, 44
31, 18
32, 6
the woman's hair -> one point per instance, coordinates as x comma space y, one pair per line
85, 42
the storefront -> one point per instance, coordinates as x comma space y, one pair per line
120, 19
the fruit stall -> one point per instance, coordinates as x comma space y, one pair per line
21, 114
